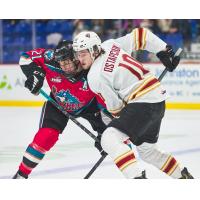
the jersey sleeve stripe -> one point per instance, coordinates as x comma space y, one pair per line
149, 84
145, 81
139, 35
144, 39
134, 39
148, 89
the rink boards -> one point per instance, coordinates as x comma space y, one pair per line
183, 85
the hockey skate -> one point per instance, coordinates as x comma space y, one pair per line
19, 175
143, 176
185, 174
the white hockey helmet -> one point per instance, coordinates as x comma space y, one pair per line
87, 40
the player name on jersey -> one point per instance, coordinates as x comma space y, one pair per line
112, 57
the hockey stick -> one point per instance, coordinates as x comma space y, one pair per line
178, 52
43, 93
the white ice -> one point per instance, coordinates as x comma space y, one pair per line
74, 154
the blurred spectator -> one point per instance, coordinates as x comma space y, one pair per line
20, 34
109, 29
79, 25
98, 26
147, 23
164, 25
130, 24
53, 39
127, 26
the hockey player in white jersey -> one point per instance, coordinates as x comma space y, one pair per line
133, 94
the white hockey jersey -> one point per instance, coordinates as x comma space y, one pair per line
119, 79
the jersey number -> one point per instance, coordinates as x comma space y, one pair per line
133, 66
36, 54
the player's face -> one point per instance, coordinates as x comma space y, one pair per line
67, 66
85, 58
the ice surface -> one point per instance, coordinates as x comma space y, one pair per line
74, 154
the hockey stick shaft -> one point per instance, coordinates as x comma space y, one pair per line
95, 166
162, 74
178, 52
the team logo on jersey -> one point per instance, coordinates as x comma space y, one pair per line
56, 79
67, 100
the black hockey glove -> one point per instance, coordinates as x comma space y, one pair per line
35, 81
168, 58
98, 145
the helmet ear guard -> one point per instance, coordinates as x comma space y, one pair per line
96, 50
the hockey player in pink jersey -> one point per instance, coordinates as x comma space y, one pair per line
133, 94
69, 88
